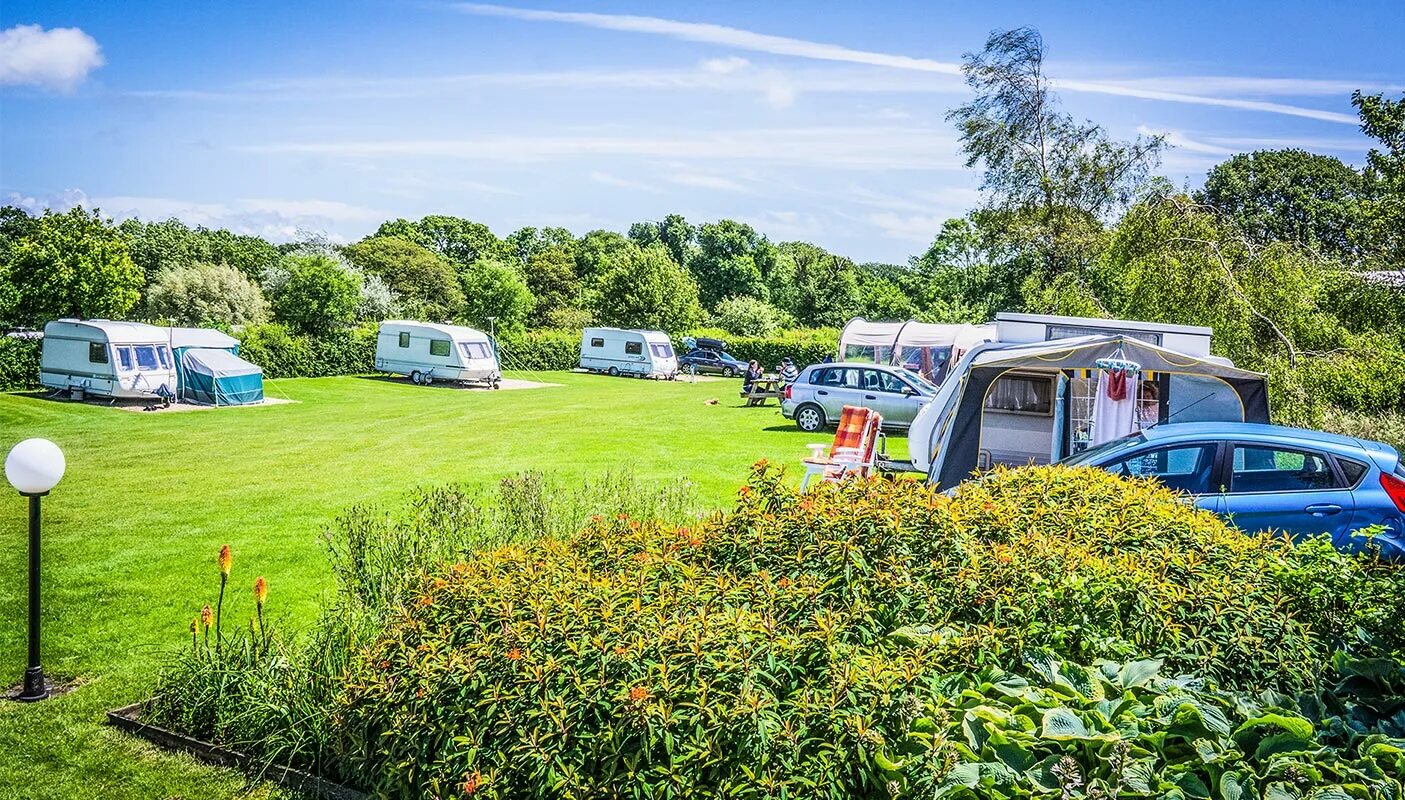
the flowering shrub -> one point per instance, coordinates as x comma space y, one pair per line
790, 647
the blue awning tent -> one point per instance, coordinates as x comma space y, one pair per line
217, 377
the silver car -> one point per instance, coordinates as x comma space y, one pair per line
816, 398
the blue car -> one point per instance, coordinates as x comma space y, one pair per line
1268, 477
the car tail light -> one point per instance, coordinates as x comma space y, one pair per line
788, 387
1395, 488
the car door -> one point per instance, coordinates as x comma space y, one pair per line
891, 396
836, 387
1186, 467
1287, 488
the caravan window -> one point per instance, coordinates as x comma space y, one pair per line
97, 352
475, 349
439, 347
662, 350
1022, 394
146, 357
404, 338
124, 355
165, 355
634, 348
597, 342
1071, 331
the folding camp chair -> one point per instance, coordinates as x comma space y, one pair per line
854, 450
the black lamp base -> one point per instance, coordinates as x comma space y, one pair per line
34, 688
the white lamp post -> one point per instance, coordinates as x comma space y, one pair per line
33, 467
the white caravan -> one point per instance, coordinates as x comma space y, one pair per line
429, 352
617, 351
103, 358
1032, 395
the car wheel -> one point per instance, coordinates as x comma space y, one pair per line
809, 418
613, 372
727, 372
416, 377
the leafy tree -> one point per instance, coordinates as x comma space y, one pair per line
1384, 121
206, 294
493, 289
551, 276
424, 281
673, 232
732, 260
1292, 195
1172, 260
73, 264
747, 316
647, 289
524, 243
599, 251
882, 298
1058, 177
826, 286
460, 240
315, 293
171, 243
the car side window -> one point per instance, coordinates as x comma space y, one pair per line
1352, 470
888, 382
1185, 468
1264, 468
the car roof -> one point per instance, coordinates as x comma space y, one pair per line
868, 364
1253, 431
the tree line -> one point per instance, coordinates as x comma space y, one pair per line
1279, 250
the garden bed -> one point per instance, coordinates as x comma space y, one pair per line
128, 719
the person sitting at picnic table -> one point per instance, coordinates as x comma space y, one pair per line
753, 374
788, 372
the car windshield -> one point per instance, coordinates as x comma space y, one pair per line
1105, 449
921, 382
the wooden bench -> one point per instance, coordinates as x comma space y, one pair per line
763, 389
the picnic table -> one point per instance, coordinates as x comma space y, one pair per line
764, 388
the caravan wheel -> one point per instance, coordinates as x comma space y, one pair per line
614, 372
416, 377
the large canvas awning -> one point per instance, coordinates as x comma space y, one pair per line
956, 433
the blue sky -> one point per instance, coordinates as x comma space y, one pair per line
815, 121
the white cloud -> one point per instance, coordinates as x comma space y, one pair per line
893, 113
716, 34
273, 219
608, 179
57, 59
724, 66
704, 181
908, 227
780, 45
839, 147
1180, 141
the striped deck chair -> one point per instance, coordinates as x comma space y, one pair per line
854, 449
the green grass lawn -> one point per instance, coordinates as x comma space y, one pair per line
131, 533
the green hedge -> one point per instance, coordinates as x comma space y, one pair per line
798, 643
540, 350
285, 354
19, 363
802, 345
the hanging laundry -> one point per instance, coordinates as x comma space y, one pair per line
1114, 406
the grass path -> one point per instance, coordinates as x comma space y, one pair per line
131, 533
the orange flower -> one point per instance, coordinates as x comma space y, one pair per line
426, 600
195, 625
621, 650
784, 583
472, 783
260, 590
207, 617
226, 560
638, 694
514, 654
744, 491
